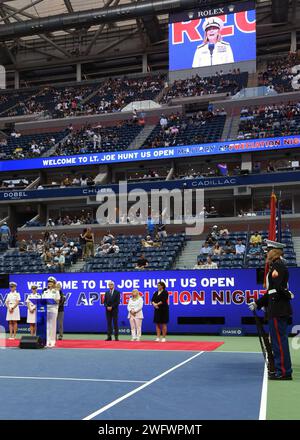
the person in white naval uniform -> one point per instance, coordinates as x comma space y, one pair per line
214, 50
13, 310
135, 315
52, 310
31, 310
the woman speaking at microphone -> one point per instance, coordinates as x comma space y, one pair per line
51, 292
214, 50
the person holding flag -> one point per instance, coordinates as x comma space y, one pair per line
276, 302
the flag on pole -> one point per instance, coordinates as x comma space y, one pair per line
279, 230
272, 228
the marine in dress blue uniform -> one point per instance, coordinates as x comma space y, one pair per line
276, 303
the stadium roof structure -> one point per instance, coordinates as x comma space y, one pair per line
113, 36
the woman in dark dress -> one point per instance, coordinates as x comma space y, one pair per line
161, 311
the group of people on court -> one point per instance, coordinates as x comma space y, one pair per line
276, 303
55, 311
135, 315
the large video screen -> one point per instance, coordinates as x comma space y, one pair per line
216, 36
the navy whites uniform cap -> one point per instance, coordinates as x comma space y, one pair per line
273, 245
213, 22
52, 279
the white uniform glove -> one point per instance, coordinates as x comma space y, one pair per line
252, 306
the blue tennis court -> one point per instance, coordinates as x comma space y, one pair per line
75, 384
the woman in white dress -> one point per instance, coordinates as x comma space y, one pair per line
52, 310
31, 312
135, 315
13, 310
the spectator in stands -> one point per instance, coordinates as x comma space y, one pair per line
209, 264
256, 238
89, 243
224, 233
5, 233
108, 237
76, 181
113, 248
206, 249
210, 241
83, 180
50, 222
199, 265
255, 249
60, 260
217, 249
89, 219
212, 212
46, 236
23, 246
82, 242
215, 233
142, 262
103, 248
228, 248
40, 246
161, 230
270, 168
163, 122
257, 167
73, 252
148, 242
47, 257
52, 237
240, 247
97, 140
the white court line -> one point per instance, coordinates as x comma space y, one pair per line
72, 379
239, 352
136, 390
264, 394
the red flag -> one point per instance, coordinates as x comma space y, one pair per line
272, 228
272, 224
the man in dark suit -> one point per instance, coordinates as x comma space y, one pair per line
111, 303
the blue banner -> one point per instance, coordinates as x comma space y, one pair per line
193, 295
245, 146
204, 182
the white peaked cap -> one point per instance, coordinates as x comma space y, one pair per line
213, 21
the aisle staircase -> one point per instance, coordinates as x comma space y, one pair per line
188, 258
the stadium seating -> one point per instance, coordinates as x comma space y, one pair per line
220, 83
191, 131
100, 97
278, 74
269, 121
20, 147
239, 261
115, 138
21, 262
159, 258
114, 94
